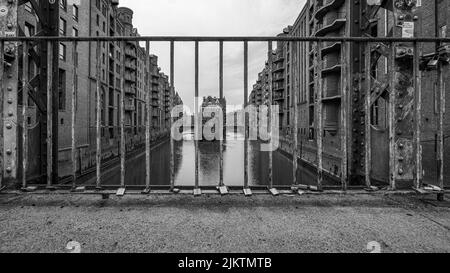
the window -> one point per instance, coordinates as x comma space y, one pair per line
62, 90
62, 51
75, 12
74, 32
62, 27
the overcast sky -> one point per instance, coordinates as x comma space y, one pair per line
212, 18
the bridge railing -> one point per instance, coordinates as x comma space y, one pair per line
401, 164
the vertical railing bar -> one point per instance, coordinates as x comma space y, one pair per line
197, 116
73, 114
367, 122
49, 113
441, 166
148, 115
172, 95
270, 54
392, 103
98, 156
123, 151
345, 82
246, 126
221, 95
2, 46
319, 118
418, 115
295, 96
24, 114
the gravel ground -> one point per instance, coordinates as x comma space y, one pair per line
310, 223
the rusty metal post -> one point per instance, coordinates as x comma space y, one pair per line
9, 28
197, 119
221, 94
123, 152
246, 126
172, 95
148, 118
270, 54
49, 114
367, 114
74, 114
391, 118
98, 112
295, 96
441, 112
319, 118
345, 82
2, 167
25, 66
418, 116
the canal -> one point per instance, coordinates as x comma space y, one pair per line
209, 169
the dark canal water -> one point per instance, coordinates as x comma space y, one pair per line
209, 165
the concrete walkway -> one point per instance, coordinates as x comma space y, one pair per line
310, 223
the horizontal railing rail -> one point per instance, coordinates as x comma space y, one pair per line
224, 39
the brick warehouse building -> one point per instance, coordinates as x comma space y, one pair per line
99, 18
303, 72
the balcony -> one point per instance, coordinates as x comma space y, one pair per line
278, 67
129, 106
130, 52
279, 57
130, 77
337, 23
130, 90
326, 7
330, 47
130, 65
336, 68
278, 86
278, 77
278, 97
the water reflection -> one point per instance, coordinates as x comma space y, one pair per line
233, 152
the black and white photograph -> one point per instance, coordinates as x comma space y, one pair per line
217, 133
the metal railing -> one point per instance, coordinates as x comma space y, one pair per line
319, 126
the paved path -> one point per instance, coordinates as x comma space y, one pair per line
327, 223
